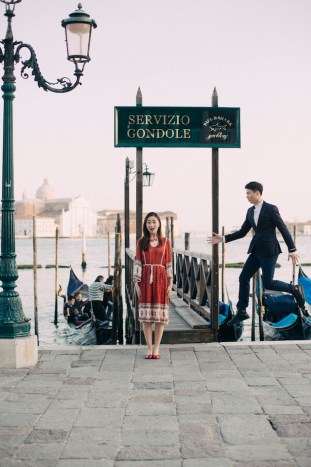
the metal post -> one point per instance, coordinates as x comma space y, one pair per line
215, 228
139, 206
223, 266
139, 179
13, 322
126, 215
127, 204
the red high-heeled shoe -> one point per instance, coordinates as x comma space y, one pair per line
149, 356
156, 357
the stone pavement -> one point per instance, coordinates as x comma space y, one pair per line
201, 405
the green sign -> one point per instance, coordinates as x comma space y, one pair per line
193, 127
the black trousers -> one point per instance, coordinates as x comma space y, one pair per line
251, 266
99, 310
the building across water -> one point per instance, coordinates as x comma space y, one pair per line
72, 216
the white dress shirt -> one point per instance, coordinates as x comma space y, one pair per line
257, 209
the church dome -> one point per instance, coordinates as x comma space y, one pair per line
45, 191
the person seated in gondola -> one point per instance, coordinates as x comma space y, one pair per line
108, 298
71, 311
83, 306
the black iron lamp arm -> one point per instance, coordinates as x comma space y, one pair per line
65, 84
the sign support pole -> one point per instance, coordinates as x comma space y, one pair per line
139, 206
214, 306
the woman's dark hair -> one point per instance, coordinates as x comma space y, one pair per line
109, 280
98, 278
145, 239
70, 297
254, 186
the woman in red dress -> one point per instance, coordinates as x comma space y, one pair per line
153, 278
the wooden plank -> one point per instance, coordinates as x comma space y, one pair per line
194, 320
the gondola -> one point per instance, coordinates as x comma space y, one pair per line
227, 333
282, 318
92, 331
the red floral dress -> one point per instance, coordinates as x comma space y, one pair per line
153, 269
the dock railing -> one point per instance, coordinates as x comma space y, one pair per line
192, 279
192, 283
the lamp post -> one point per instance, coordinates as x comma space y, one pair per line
78, 29
147, 180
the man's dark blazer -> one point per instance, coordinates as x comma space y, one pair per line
264, 241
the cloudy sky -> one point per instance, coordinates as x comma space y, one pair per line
256, 52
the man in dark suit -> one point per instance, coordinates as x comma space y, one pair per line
263, 251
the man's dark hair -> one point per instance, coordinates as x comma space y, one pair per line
254, 186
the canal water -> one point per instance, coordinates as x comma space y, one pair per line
97, 262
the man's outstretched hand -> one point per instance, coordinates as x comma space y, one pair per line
216, 238
294, 257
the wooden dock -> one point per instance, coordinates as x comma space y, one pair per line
185, 325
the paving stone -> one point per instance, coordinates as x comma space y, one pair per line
298, 390
9, 445
36, 451
97, 434
259, 452
291, 426
226, 384
150, 437
47, 436
55, 418
18, 420
248, 429
81, 463
151, 408
192, 408
149, 463
99, 417
289, 463
298, 447
91, 450
207, 462
283, 409
227, 402
148, 453
190, 392
23, 407
147, 397
161, 422
303, 461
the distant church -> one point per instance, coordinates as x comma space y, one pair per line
71, 215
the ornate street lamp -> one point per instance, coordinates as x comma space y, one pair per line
148, 177
78, 27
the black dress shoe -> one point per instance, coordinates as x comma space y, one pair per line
299, 295
240, 316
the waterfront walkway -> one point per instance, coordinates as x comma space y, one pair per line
200, 405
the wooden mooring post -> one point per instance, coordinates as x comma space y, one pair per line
109, 262
214, 305
83, 264
187, 241
35, 277
117, 319
294, 266
56, 276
